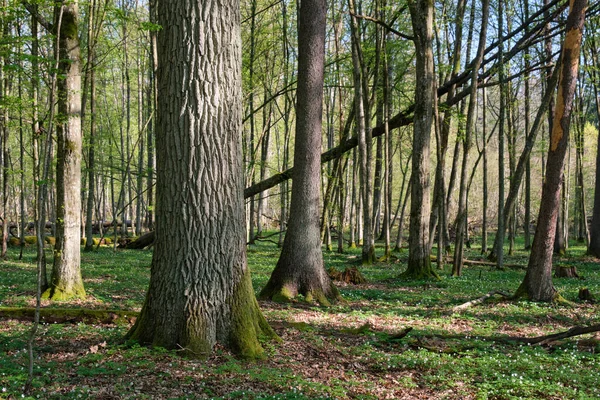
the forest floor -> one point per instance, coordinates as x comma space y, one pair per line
344, 351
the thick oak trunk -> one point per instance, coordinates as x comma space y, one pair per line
200, 290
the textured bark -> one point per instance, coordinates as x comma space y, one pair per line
300, 269
66, 281
537, 284
419, 261
200, 290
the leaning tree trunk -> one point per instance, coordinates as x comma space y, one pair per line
419, 261
300, 269
66, 279
537, 284
200, 290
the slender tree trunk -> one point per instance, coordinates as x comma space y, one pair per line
462, 226
499, 243
537, 284
364, 139
527, 61
485, 195
594, 246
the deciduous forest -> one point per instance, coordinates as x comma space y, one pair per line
281, 199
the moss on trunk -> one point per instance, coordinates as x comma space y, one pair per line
60, 292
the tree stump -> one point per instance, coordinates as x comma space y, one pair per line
585, 295
566, 272
353, 275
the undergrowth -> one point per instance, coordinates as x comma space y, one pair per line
348, 350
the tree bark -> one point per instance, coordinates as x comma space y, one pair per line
200, 290
419, 261
537, 284
300, 269
66, 281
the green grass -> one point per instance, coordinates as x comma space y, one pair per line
323, 354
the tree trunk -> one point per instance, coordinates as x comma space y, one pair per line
462, 226
300, 269
364, 139
419, 260
66, 279
200, 290
594, 246
537, 284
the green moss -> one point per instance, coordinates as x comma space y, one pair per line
61, 315
30, 239
51, 240
283, 295
58, 292
248, 322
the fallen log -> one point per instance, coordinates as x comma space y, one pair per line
480, 300
140, 243
545, 339
483, 263
70, 315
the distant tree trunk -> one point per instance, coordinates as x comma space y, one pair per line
91, 167
440, 204
353, 201
419, 261
152, 125
66, 279
594, 246
485, 195
200, 290
251, 156
300, 269
515, 182
287, 105
23, 219
527, 61
39, 155
537, 284
139, 202
462, 226
499, 243
4, 156
364, 139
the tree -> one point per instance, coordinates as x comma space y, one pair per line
66, 281
537, 284
300, 269
419, 262
594, 245
200, 289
